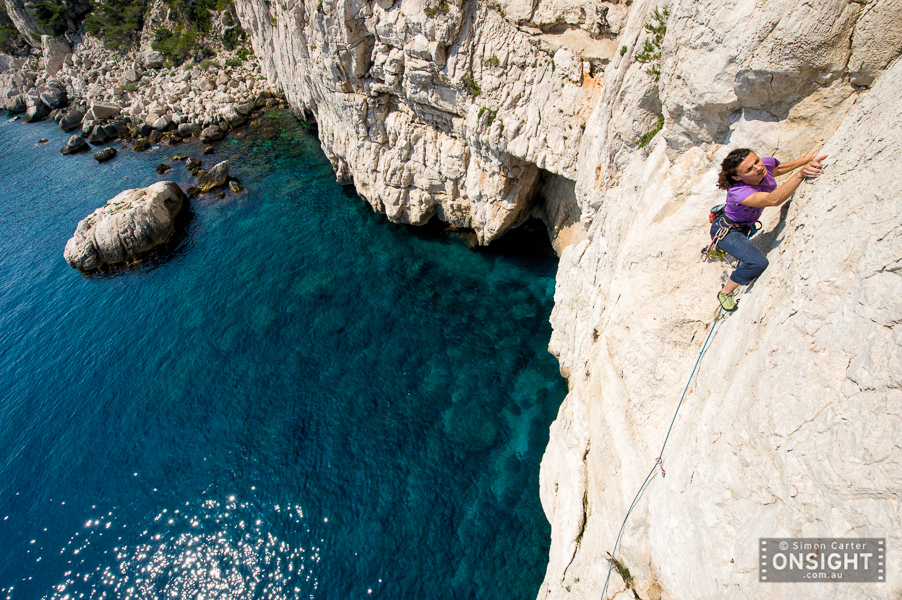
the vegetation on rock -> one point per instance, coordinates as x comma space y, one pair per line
117, 22
651, 49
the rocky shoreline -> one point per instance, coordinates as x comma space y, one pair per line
103, 95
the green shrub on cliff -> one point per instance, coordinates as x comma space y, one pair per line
651, 49
646, 137
50, 15
196, 14
231, 38
116, 21
176, 47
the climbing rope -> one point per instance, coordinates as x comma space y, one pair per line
659, 461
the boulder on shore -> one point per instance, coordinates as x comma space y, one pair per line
54, 97
72, 119
101, 110
127, 227
211, 134
35, 113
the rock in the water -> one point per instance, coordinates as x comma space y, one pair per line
140, 145
180, 157
105, 154
192, 163
215, 177
98, 136
72, 119
43, 141
75, 144
209, 150
35, 113
235, 186
127, 227
211, 134
162, 168
155, 136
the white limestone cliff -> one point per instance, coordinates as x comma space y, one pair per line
485, 113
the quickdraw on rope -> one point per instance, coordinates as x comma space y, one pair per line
659, 461
712, 252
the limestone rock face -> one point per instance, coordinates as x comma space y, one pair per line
789, 427
451, 113
131, 224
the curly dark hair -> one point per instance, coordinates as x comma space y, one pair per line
728, 167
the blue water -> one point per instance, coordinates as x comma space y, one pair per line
298, 400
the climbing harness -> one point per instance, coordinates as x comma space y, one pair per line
659, 461
712, 253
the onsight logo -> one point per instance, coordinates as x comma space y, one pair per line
834, 560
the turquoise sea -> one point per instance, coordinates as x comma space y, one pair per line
299, 399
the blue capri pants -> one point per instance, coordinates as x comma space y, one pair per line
752, 261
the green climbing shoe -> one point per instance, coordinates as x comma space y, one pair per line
727, 301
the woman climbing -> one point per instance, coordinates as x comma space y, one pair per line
750, 184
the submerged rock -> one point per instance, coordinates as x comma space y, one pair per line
105, 154
162, 168
140, 144
127, 227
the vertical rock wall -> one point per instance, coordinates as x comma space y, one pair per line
446, 110
791, 427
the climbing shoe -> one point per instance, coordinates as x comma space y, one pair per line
727, 301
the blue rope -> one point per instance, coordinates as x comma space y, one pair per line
660, 459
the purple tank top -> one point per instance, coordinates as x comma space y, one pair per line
738, 212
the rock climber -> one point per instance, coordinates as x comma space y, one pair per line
751, 187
